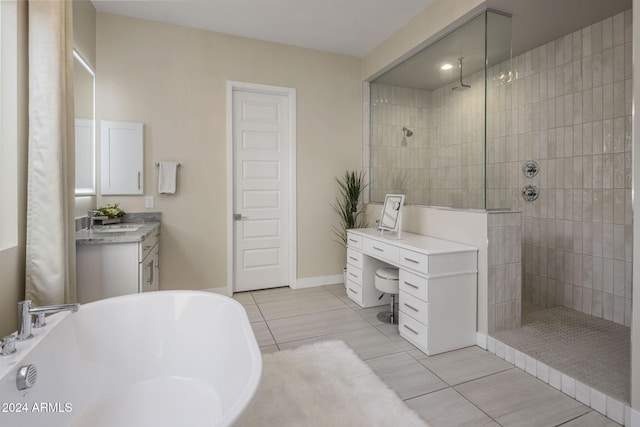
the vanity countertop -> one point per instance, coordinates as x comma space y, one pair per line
127, 232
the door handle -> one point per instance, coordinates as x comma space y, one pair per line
238, 217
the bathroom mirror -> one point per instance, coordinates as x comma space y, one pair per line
428, 117
391, 212
84, 126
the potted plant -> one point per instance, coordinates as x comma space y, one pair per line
348, 206
112, 212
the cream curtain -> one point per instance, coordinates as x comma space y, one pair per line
50, 257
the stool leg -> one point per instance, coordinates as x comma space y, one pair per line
392, 317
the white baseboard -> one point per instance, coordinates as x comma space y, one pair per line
222, 290
311, 282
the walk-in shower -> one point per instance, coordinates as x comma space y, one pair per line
560, 104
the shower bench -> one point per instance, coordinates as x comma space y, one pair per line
438, 285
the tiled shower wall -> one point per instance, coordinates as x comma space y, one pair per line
442, 163
568, 107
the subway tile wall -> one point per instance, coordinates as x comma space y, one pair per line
568, 107
505, 271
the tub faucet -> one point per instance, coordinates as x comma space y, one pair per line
25, 311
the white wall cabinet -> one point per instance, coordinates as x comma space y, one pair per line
438, 280
113, 269
121, 158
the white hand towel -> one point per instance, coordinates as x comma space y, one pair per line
167, 177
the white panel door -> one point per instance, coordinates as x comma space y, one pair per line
261, 147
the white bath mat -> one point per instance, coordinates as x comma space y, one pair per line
325, 384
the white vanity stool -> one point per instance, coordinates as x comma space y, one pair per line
386, 280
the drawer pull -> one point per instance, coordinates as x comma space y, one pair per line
353, 275
412, 260
352, 291
411, 285
353, 240
415, 332
411, 307
353, 258
378, 249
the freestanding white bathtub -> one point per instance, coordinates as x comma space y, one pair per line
172, 358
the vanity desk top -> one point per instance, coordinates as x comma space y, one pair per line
415, 242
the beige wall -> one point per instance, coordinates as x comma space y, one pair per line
432, 23
14, 106
173, 79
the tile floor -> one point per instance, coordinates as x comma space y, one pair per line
467, 387
594, 351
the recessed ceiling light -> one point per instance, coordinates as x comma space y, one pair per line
445, 67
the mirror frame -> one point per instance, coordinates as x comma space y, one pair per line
391, 210
89, 191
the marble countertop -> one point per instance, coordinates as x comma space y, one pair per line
128, 232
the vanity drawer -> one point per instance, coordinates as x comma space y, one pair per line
414, 307
381, 250
354, 292
354, 274
146, 245
414, 260
413, 331
414, 285
354, 240
354, 258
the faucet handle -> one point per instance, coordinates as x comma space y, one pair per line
8, 345
41, 321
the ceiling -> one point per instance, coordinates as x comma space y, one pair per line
351, 27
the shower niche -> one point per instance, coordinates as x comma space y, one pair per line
428, 117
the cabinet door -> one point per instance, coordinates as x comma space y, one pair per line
149, 273
122, 158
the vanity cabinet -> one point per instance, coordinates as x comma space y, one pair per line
115, 268
437, 285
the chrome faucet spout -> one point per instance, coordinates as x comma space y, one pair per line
25, 311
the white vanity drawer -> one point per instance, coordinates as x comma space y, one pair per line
354, 274
413, 331
414, 285
354, 292
414, 260
381, 250
414, 307
354, 240
354, 258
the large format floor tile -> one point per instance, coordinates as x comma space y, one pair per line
405, 375
515, 398
367, 342
447, 408
467, 387
315, 325
459, 366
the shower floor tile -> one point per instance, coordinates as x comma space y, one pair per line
591, 350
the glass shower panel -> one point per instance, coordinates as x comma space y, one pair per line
501, 148
428, 123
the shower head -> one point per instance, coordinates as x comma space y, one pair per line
461, 86
407, 133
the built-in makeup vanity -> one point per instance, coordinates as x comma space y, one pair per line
437, 285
